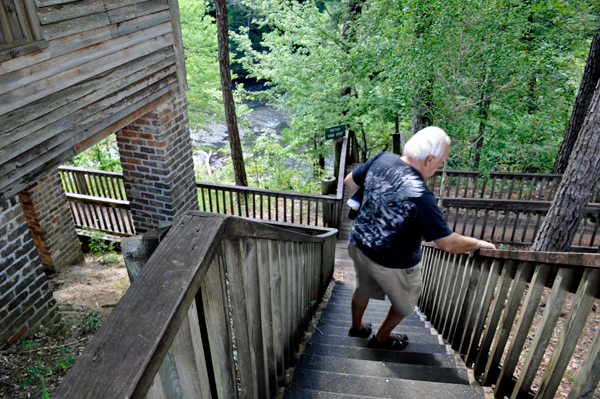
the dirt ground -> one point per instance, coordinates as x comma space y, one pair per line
86, 293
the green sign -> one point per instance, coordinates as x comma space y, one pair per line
335, 132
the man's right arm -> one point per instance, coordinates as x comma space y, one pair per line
457, 244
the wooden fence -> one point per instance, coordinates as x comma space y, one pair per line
97, 200
485, 306
303, 209
212, 280
503, 207
508, 207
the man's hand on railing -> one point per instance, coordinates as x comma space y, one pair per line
457, 244
482, 245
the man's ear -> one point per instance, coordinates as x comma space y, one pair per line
429, 159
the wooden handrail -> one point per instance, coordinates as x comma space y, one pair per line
474, 303
181, 300
92, 199
479, 203
90, 171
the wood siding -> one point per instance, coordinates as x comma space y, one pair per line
105, 63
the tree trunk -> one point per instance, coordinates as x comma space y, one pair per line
484, 110
364, 146
237, 156
573, 194
590, 78
419, 119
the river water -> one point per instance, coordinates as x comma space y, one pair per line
260, 118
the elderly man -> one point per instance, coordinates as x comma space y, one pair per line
397, 212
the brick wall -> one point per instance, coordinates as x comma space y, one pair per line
25, 296
158, 169
47, 211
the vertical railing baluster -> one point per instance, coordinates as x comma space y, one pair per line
506, 322
531, 303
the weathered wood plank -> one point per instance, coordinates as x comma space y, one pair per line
266, 314
188, 355
125, 354
242, 307
136, 10
91, 136
169, 377
506, 323
138, 24
214, 301
19, 140
558, 258
477, 301
112, 4
544, 331
23, 50
73, 26
62, 12
56, 48
46, 3
479, 353
252, 287
567, 341
32, 92
179, 53
156, 390
459, 265
588, 376
458, 317
536, 287
103, 112
275, 270
441, 290
80, 59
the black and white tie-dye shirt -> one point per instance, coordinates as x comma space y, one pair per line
397, 212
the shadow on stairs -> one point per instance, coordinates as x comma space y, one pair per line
335, 366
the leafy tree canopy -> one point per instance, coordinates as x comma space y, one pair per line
504, 69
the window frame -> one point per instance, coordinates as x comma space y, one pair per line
32, 39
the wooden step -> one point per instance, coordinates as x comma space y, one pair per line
379, 387
451, 375
405, 356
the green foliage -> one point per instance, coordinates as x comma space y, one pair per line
39, 371
504, 69
270, 164
98, 244
29, 345
90, 319
122, 284
101, 156
199, 32
65, 361
104, 250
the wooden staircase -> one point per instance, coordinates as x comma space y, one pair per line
336, 366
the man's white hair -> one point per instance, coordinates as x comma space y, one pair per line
428, 141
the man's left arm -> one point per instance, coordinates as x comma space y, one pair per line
457, 244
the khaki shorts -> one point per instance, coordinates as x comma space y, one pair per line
402, 287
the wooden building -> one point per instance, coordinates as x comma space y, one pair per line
72, 73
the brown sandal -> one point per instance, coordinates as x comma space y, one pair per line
395, 342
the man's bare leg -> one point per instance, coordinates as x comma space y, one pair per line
390, 322
359, 305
